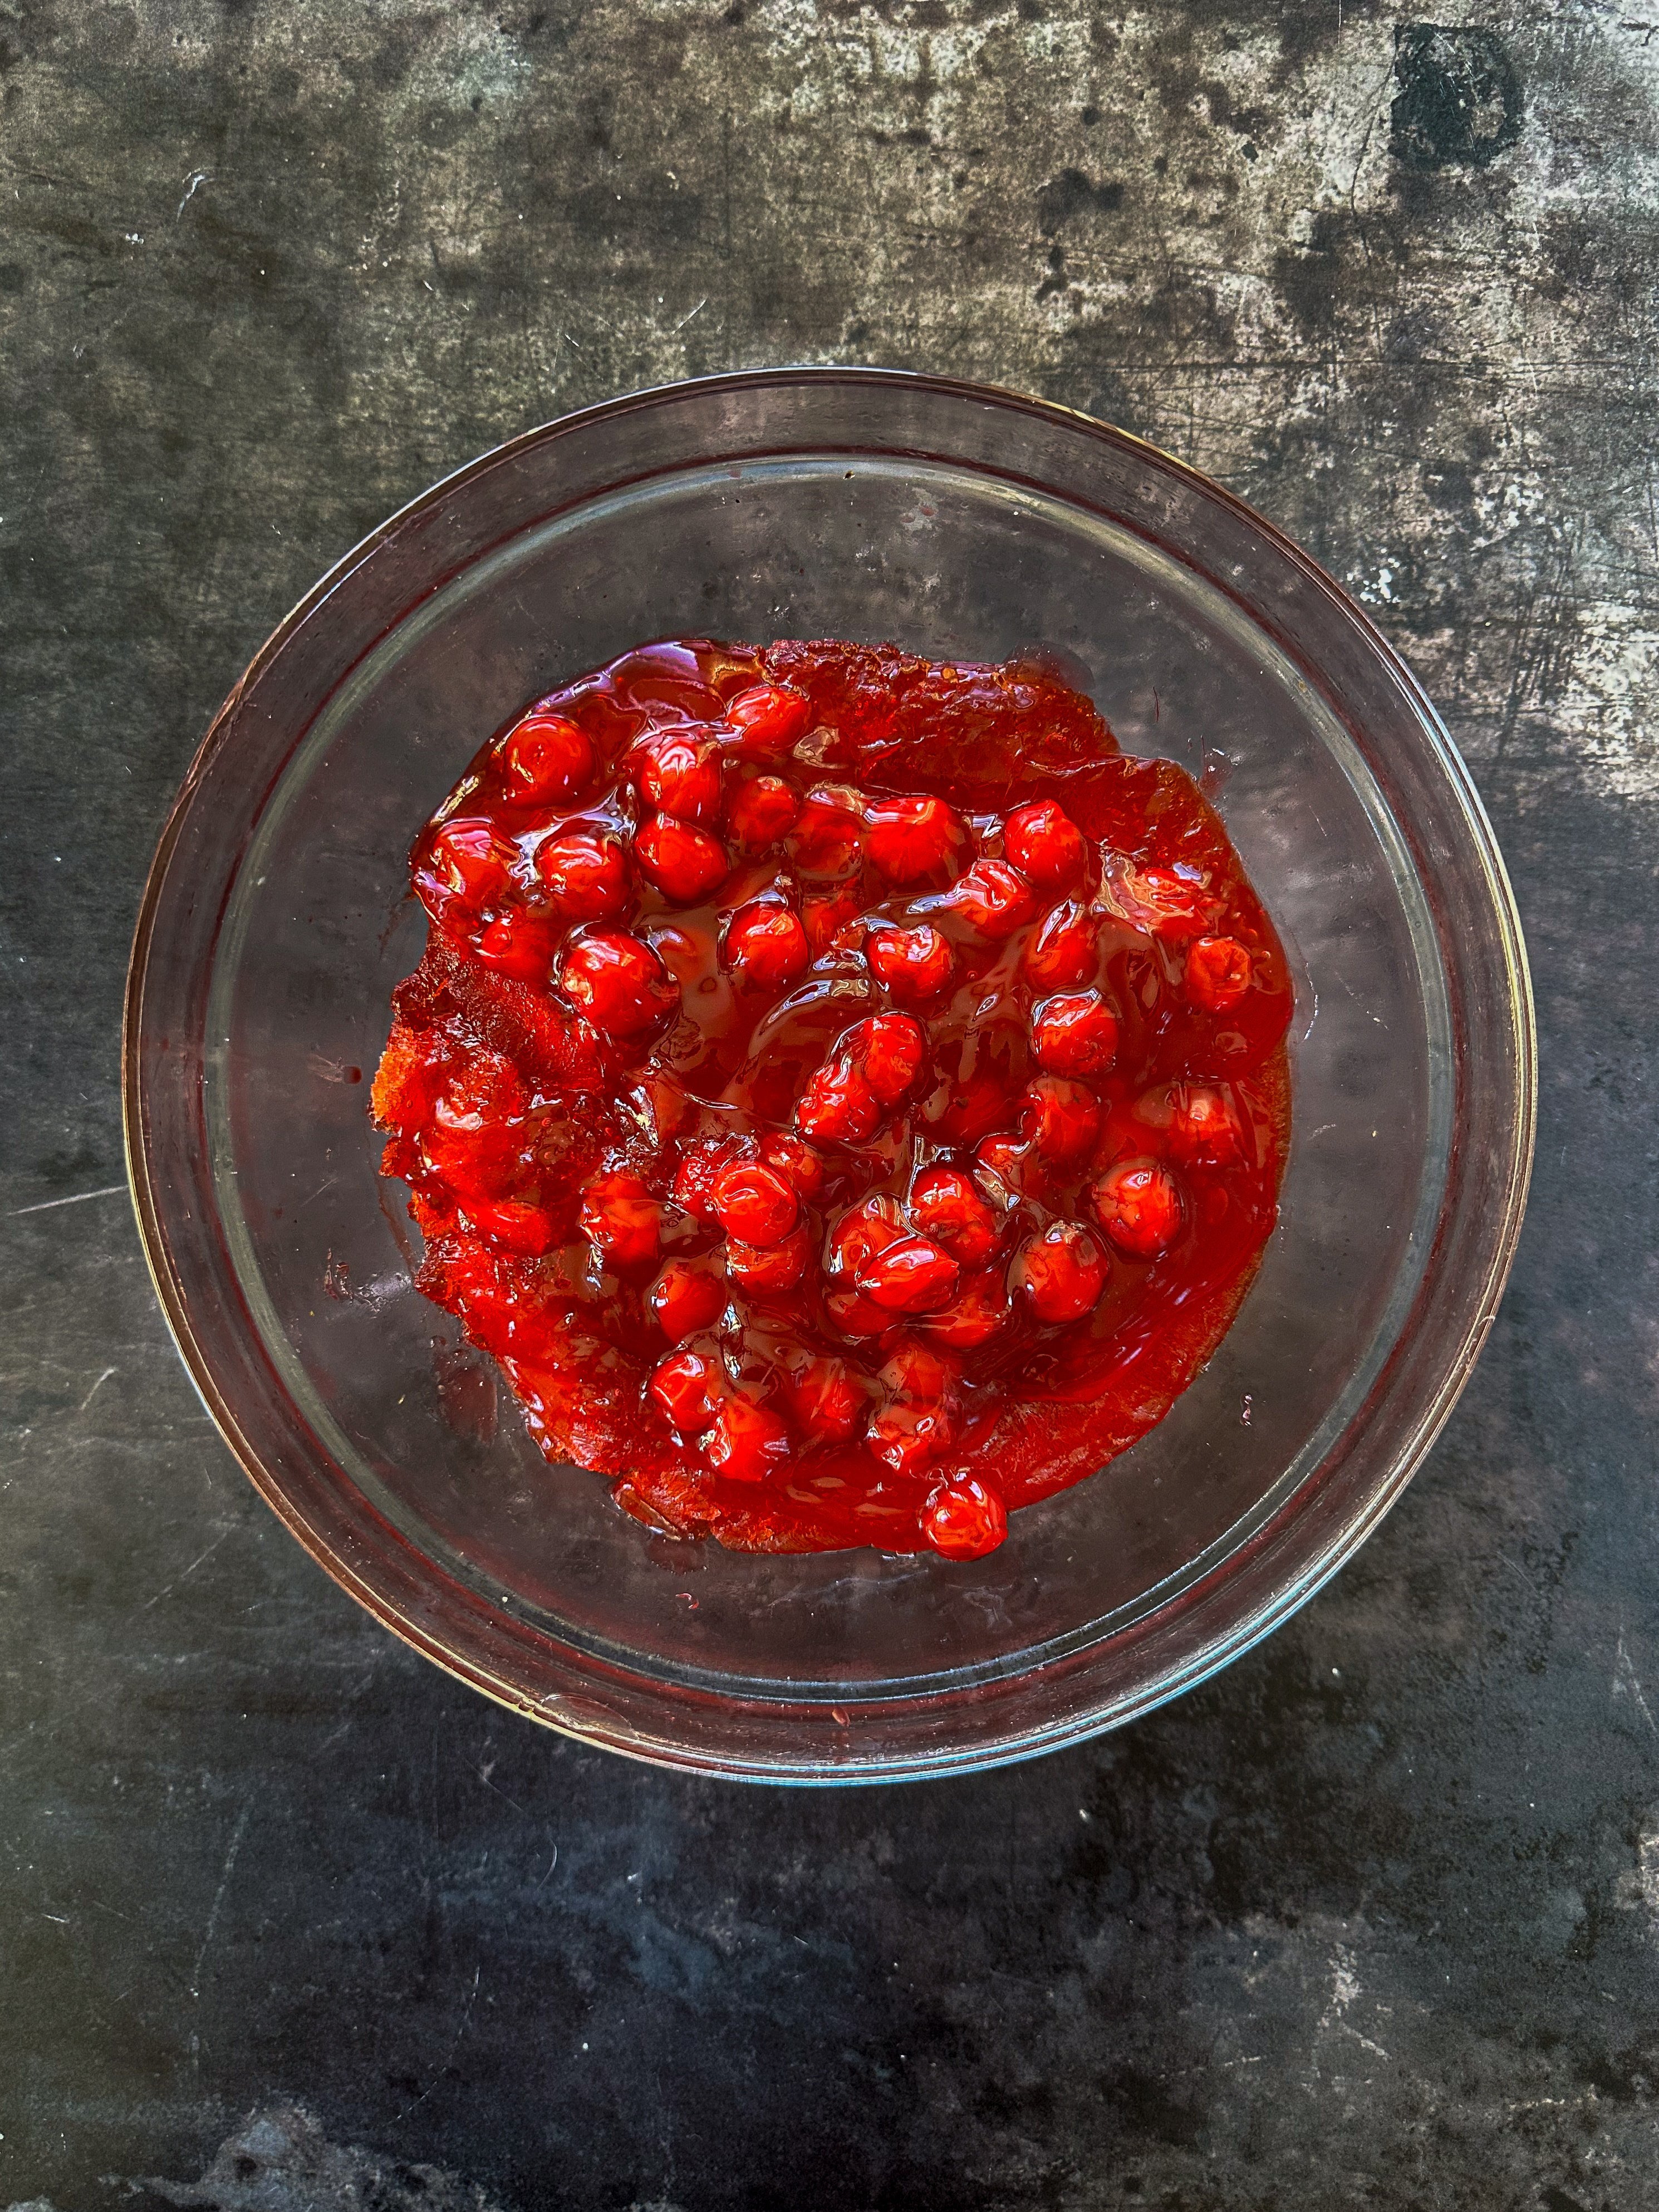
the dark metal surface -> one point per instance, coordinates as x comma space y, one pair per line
1374, 1916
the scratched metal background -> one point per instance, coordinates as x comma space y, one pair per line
287, 1920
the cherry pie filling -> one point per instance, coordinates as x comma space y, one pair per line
845, 1093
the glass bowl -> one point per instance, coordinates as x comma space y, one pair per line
961, 521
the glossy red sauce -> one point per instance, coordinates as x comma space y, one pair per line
846, 1094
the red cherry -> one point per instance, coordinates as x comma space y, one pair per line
918, 1422
685, 863
867, 1228
1218, 973
1173, 902
825, 840
521, 945
913, 1275
855, 1317
465, 866
1045, 844
545, 758
681, 776
522, 1229
682, 1387
763, 1268
685, 1297
485, 1094
747, 1442
1062, 1272
912, 839
964, 1519
1204, 1127
973, 1317
905, 1437
1139, 1207
797, 1163
584, 874
759, 812
618, 981
947, 1205
1064, 950
915, 964
889, 1048
826, 916
913, 1369
769, 718
765, 945
754, 1204
1075, 1033
1061, 1117
837, 1106
994, 899
699, 1169
825, 1400
1011, 1161
620, 1217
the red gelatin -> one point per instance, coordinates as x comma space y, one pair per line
773, 1212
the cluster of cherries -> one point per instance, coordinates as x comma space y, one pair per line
846, 1233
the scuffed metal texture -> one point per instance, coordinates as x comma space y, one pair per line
1374, 1917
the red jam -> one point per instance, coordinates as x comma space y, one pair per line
846, 1094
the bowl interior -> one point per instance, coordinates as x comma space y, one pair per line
949, 558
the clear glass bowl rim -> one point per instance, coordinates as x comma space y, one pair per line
502, 1657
